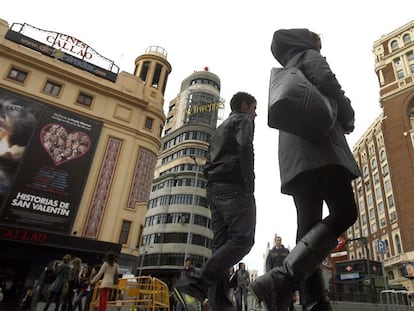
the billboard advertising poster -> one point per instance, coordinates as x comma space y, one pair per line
49, 180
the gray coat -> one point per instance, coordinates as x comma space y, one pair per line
297, 155
62, 275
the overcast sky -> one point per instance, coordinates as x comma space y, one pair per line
232, 38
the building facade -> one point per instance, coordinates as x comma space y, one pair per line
178, 221
78, 148
385, 154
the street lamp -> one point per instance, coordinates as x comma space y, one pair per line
142, 260
192, 207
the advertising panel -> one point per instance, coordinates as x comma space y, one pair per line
47, 181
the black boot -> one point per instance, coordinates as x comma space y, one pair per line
276, 287
313, 293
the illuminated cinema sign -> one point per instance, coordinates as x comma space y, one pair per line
66, 48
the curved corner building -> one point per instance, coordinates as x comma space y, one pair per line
178, 221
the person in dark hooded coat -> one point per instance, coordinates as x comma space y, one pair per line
313, 174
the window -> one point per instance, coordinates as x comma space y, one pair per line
406, 38
400, 74
394, 45
398, 244
171, 108
84, 99
388, 252
412, 68
157, 74
369, 199
393, 216
371, 213
148, 123
397, 62
364, 219
368, 185
374, 164
382, 155
144, 70
383, 222
381, 207
123, 236
373, 228
361, 205
378, 193
387, 185
17, 75
410, 55
52, 88
385, 170
376, 178
391, 201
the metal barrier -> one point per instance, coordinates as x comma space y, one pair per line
397, 300
137, 293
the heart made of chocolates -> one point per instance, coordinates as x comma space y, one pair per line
62, 146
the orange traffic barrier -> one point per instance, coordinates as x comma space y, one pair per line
137, 293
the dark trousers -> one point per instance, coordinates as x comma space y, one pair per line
52, 297
67, 299
233, 216
330, 184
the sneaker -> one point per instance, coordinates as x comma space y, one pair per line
189, 302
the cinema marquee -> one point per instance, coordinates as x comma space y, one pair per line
66, 48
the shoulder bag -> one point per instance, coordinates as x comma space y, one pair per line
297, 106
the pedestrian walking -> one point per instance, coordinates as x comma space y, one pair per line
313, 174
108, 270
243, 281
276, 257
230, 196
60, 284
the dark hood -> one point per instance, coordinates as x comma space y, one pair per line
288, 42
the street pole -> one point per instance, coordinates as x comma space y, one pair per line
141, 266
383, 272
192, 207
142, 263
365, 241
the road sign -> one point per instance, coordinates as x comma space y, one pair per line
381, 247
341, 244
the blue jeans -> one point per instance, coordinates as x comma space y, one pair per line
241, 297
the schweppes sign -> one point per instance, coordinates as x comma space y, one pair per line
211, 107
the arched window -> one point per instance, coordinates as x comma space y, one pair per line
398, 244
407, 38
388, 252
394, 45
374, 164
382, 155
